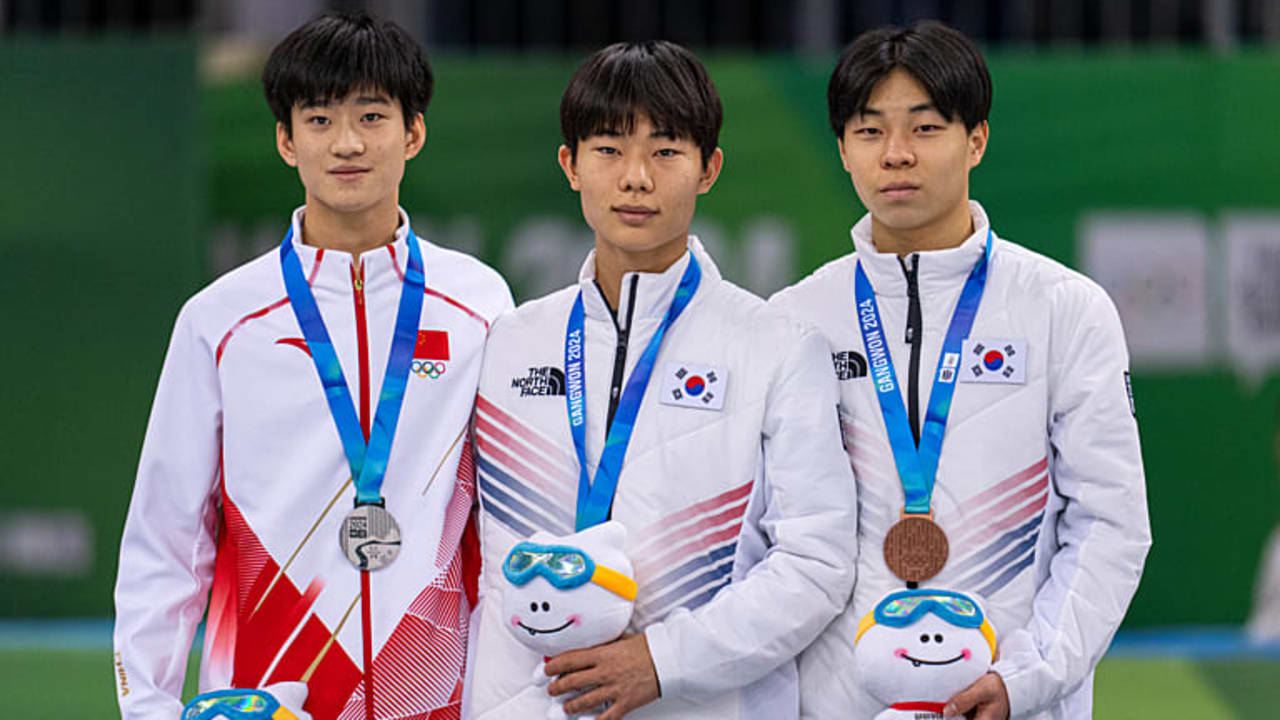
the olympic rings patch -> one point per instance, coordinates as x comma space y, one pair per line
428, 368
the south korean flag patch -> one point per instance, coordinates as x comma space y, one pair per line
694, 385
993, 360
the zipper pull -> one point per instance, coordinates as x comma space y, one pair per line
357, 277
913, 295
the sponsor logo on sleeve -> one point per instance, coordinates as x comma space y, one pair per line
122, 677
542, 381
1128, 390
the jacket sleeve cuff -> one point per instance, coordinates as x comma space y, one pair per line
665, 661
1020, 683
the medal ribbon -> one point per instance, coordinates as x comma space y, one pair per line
368, 462
596, 497
917, 466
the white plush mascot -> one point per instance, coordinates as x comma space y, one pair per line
565, 593
918, 648
281, 701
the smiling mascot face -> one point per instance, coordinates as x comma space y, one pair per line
581, 612
929, 660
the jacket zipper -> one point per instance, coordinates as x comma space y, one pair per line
914, 339
362, 340
366, 610
620, 353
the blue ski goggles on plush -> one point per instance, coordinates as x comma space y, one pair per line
564, 567
236, 704
905, 607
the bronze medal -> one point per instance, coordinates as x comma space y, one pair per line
370, 537
915, 549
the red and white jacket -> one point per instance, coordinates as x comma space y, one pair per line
243, 484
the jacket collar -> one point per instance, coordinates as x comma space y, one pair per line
653, 291
382, 266
937, 268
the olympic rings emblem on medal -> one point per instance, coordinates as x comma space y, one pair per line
428, 368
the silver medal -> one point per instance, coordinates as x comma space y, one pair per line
370, 537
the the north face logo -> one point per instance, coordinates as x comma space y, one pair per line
544, 380
849, 365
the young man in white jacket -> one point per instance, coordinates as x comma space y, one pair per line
286, 381
1039, 487
734, 487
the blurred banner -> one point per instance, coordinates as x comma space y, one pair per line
130, 183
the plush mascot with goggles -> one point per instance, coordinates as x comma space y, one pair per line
281, 701
566, 593
918, 648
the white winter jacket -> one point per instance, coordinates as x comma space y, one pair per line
1040, 486
243, 483
741, 520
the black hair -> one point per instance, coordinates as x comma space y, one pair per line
941, 58
339, 53
659, 78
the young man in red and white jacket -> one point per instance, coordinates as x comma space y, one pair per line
286, 382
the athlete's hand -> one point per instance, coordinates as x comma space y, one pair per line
619, 672
985, 699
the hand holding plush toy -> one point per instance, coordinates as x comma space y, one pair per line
918, 648
566, 593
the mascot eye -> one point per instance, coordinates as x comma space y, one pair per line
937, 638
533, 606
924, 638
546, 607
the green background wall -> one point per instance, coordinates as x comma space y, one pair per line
101, 218
121, 169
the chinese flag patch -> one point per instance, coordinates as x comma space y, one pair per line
432, 345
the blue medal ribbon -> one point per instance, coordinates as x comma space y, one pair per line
595, 498
368, 461
918, 466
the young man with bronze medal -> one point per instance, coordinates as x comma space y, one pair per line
305, 474
1021, 483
